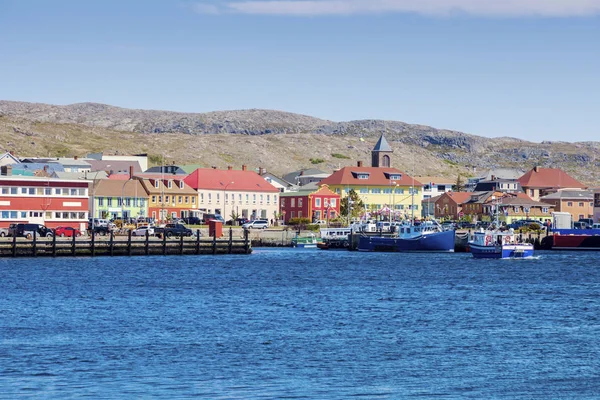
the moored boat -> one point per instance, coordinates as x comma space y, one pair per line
576, 239
428, 236
305, 242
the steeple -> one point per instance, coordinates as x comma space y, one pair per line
380, 155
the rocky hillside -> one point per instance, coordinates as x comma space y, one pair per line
275, 140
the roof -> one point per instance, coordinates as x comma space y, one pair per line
310, 189
230, 179
549, 178
457, 197
432, 199
382, 145
502, 173
291, 177
436, 180
377, 176
114, 165
129, 188
570, 194
521, 199
50, 167
189, 168
166, 169
72, 162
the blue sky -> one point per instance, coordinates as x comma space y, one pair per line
521, 68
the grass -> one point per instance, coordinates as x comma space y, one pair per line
316, 160
338, 155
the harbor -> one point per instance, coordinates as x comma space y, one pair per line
112, 245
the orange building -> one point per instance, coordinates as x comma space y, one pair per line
579, 203
539, 182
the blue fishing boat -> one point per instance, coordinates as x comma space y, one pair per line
499, 244
428, 236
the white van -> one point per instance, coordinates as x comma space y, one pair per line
256, 224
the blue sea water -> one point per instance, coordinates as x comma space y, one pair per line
312, 324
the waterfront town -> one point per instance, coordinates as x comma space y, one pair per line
69, 192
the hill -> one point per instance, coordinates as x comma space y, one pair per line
276, 140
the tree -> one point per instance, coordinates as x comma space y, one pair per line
459, 186
357, 205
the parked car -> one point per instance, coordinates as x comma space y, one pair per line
580, 225
27, 230
256, 224
171, 230
142, 231
192, 221
588, 221
242, 220
67, 231
3, 232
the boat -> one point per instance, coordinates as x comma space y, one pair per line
305, 242
428, 236
494, 243
575, 239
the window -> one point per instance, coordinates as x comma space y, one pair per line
387, 191
14, 190
399, 191
167, 199
531, 193
261, 198
299, 214
247, 198
569, 204
441, 188
180, 199
119, 202
545, 210
160, 199
209, 197
23, 190
254, 198
154, 199
218, 197
109, 201
156, 183
362, 176
375, 190
48, 191
101, 201
169, 184
526, 209
32, 191
275, 198
293, 202
193, 200
268, 199
4, 190
581, 204
57, 191
300, 202
187, 199
364, 190
181, 183
128, 201
517, 209
333, 202
395, 177
317, 202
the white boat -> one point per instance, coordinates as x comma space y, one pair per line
499, 244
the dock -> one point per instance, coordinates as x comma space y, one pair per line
112, 245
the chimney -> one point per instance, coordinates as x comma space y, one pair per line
359, 164
12, 153
130, 171
45, 168
75, 157
536, 168
7, 170
243, 167
493, 177
213, 167
260, 170
301, 173
229, 168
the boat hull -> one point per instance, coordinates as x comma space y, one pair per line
576, 242
427, 242
501, 251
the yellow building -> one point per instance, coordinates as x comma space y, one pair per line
382, 189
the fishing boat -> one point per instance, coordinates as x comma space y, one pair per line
428, 236
499, 244
575, 239
305, 242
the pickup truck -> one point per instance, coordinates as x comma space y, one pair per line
170, 230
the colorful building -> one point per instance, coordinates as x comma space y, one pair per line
42, 200
112, 199
579, 203
169, 197
316, 204
539, 182
231, 192
449, 205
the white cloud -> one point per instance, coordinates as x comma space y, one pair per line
492, 8
203, 8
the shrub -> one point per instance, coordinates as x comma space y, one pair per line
313, 227
338, 155
317, 160
298, 221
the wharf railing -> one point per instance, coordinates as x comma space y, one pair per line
113, 245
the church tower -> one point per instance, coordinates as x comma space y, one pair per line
380, 155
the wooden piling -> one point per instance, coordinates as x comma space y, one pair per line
34, 244
93, 244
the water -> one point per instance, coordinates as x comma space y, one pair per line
285, 323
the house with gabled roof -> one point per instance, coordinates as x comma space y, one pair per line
539, 182
379, 186
434, 186
8, 158
449, 205
314, 203
232, 192
508, 206
169, 196
579, 203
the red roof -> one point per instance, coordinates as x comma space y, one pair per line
377, 176
457, 197
549, 178
234, 179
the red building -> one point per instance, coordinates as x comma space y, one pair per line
319, 204
42, 200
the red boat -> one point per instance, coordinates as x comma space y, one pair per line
576, 241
